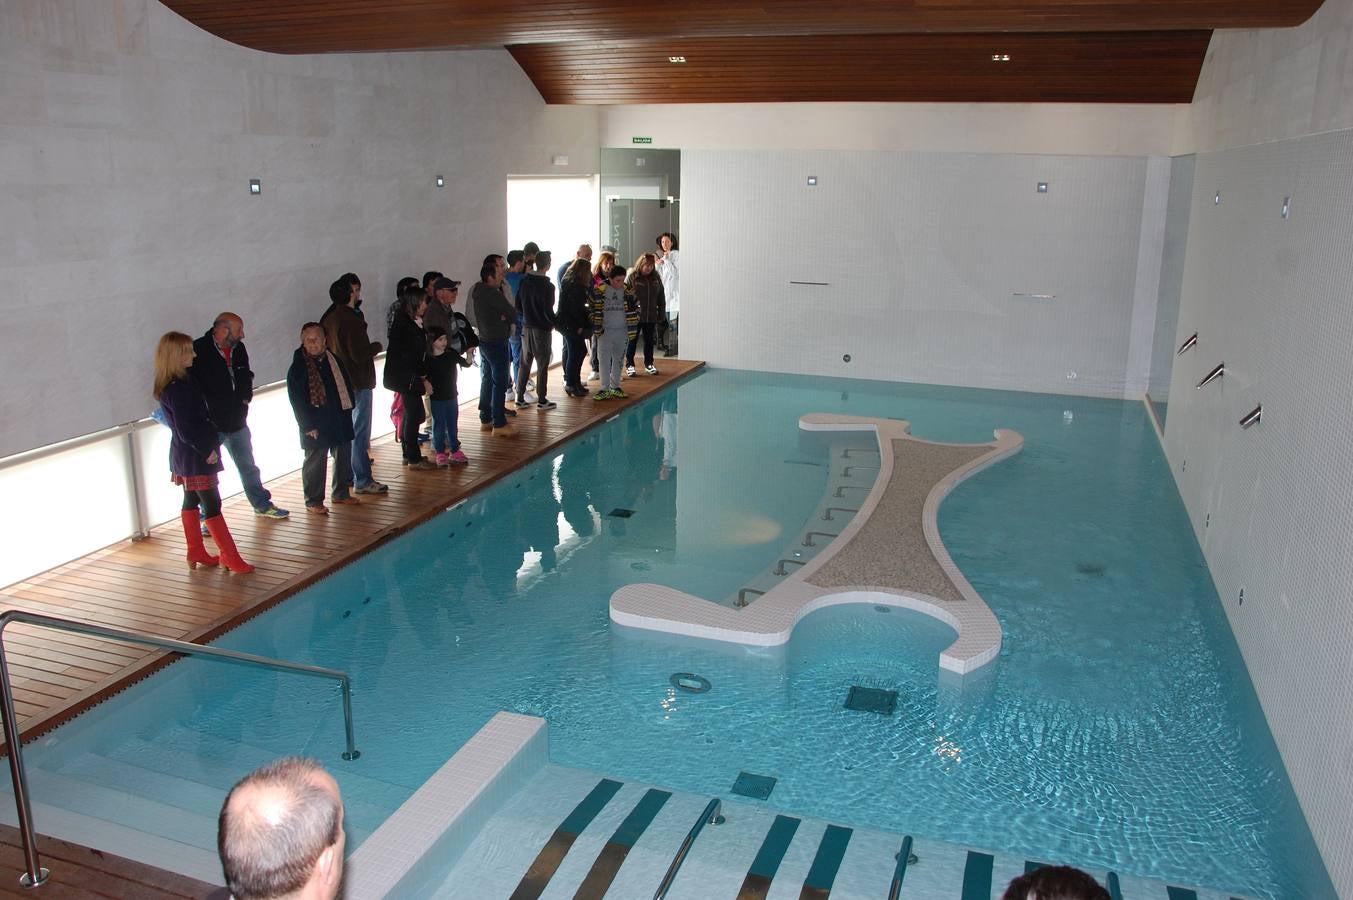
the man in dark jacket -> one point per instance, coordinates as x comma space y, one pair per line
321, 398
346, 335
535, 299
222, 371
495, 318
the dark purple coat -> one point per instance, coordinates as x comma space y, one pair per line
194, 436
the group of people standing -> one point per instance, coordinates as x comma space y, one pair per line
204, 387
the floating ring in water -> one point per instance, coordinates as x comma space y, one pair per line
690, 682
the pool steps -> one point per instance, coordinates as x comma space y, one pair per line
769, 620
756, 853
489, 816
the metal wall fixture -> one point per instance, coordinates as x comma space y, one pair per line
441, 182
845, 454
827, 516
1212, 376
1217, 200
850, 487
1033, 296
255, 186
1252, 416
808, 538
1287, 206
780, 566
1042, 187
845, 472
1188, 344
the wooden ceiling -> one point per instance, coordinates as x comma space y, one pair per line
617, 51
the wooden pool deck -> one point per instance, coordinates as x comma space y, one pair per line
146, 586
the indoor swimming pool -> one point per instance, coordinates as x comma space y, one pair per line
1117, 729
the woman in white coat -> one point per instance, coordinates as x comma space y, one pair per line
670, 273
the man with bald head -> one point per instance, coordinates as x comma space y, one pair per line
221, 370
281, 833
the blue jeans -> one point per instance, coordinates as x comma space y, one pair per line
514, 348
493, 383
361, 437
241, 447
575, 351
445, 415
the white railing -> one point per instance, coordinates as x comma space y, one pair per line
69, 499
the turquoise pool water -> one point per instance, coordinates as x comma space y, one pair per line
1117, 729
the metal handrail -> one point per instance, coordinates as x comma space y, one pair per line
780, 566
36, 875
904, 859
852, 487
742, 596
710, 816
845, 454
828, 517
808, 538
845, 471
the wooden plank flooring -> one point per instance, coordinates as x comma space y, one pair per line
146, 586
84, 873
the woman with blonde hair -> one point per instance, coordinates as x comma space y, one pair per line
194, 453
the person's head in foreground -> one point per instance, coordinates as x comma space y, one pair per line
1055, 883
281, 833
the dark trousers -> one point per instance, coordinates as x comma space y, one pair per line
575, 351
535, 348
646, 329
408, 431
493, 384
596, 366
316, 466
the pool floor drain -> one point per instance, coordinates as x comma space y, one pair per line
865, 699
758, 787
690, 682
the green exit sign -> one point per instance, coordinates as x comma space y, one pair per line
641, 140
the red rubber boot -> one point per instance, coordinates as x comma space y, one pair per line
220, 533
197, 551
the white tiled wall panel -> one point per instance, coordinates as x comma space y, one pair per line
921, 255
127, 140
1273, 505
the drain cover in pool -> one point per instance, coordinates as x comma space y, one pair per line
863, 699
758, 787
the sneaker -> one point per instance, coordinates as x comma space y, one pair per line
629, 370
485, 426
443, 459
422, 465
529, 398
546, 404
424, 437
272, 511
595, 376
346, 501
603, 395
374, 487
459, 458
520, 401
509, 412
652, 370
619, 394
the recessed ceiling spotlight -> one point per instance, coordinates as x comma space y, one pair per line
1000, 57
676, 59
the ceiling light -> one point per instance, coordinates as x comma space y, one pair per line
1000, 57
676, 59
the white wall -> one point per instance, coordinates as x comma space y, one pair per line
127, 139
922, 254
1273, 506
1268, 84
1095, 129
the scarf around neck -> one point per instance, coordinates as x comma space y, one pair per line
315, 381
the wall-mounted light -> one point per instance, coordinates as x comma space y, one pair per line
812, 181
1042, 187
1287, 206
255, 186
676, 59
1000, 57
441, 182
1217, 201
